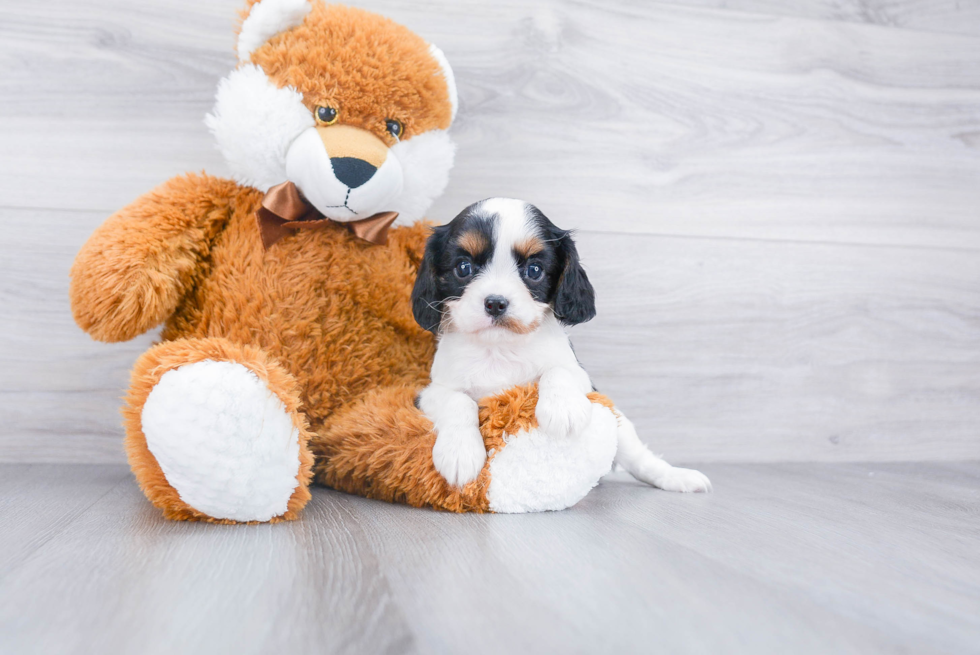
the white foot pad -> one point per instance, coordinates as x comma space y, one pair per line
537, 471
224, 441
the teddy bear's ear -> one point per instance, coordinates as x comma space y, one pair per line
447, 72
267, 18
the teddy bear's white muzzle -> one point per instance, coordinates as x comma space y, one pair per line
344, 188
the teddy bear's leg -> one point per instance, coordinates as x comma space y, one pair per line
214, 433
381, 447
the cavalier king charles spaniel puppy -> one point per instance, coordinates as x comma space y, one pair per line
497, 285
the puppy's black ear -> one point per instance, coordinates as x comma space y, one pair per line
574, 299
426, 299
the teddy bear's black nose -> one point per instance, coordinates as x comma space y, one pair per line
352, 171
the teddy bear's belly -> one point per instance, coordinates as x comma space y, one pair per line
536, 471
334, 358
330, 313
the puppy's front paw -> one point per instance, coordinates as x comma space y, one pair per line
459, 456
562, 414
685, 480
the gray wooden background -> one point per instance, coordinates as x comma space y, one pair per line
779, 203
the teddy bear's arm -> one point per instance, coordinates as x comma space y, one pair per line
133, 271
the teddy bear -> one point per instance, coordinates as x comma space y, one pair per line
289, 350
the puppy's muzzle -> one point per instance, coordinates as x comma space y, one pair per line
495, 306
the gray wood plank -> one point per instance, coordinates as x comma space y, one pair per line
787, 352
60, 392
802, 558
718, 349
953, 16
676, 121
120, 579
782, 558
723, 123
889, 546
38, 502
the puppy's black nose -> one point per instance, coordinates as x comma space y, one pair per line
495, 305
352, 171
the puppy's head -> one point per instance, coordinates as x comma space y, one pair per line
499, 268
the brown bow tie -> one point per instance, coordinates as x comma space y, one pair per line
284, 211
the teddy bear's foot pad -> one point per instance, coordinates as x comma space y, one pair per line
538, 471
224, 441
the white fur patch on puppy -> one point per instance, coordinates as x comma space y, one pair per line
683, 480
254, 123
458, 453
224, 441
539, 471
563, 407
265, 20
459, 456
633, 455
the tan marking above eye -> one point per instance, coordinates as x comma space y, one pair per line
473, 242
529, 247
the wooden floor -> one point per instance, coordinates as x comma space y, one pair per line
788, 558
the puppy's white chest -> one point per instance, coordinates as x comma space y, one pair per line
481, 369
499, 371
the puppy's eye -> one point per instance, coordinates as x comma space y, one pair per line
534, 271
395, 128
464, 269
326, 115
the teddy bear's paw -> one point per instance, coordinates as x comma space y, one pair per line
224, 441
561, 414
684, 480
459, 455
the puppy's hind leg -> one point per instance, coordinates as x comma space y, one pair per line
633, 455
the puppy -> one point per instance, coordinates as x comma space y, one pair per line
497, 285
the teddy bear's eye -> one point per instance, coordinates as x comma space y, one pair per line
326, 115
394, 128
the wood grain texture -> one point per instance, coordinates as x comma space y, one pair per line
120, 579
664, 119
749, 350
952, 16
37, 503
778, 201
801, 558
717, 349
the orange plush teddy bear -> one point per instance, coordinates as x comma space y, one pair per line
289, 348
